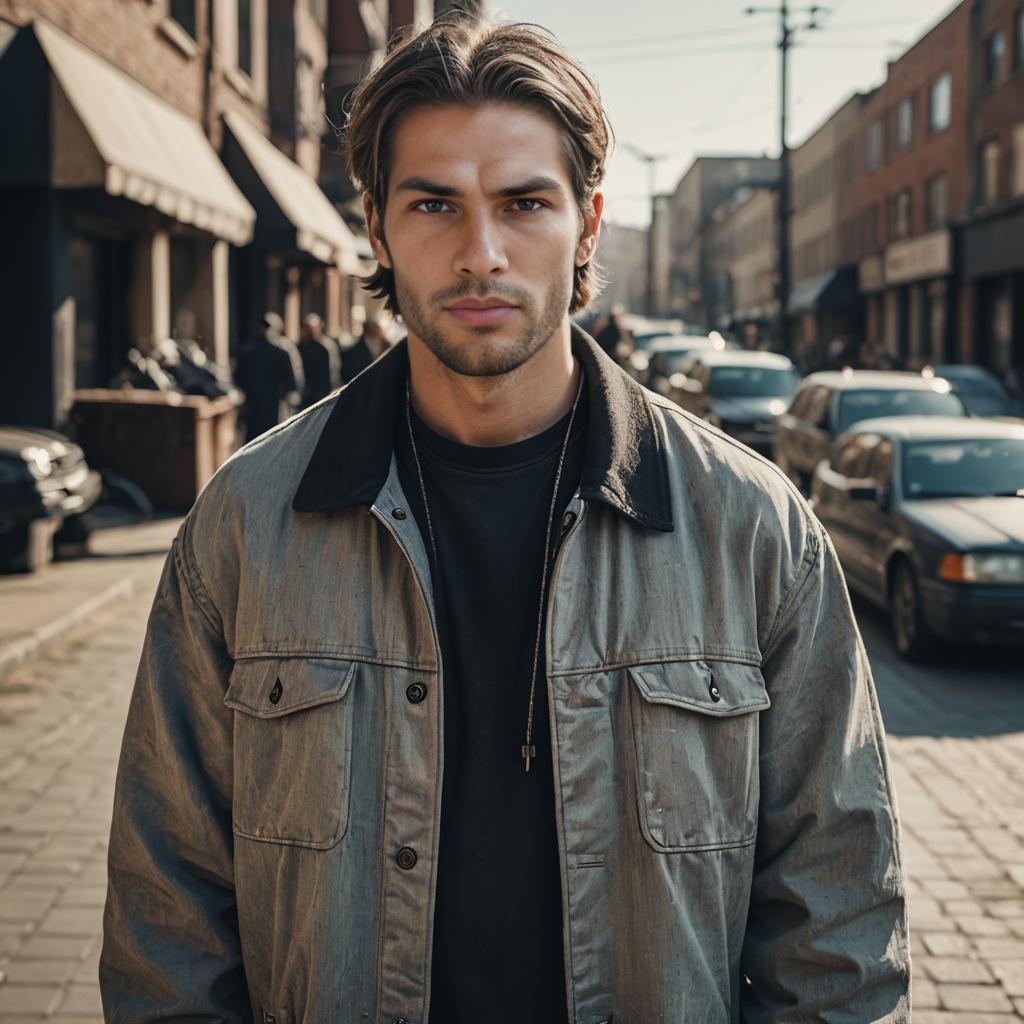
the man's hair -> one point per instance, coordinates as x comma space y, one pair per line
464, 60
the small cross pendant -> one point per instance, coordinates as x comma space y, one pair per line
529, 752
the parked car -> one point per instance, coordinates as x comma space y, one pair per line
742, 392
654, 365
44, 479
830, 402
926, 514
979, 389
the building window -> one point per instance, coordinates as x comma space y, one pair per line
904, 123
897, 215
184, 13
245, 36
995, 46
873, 150
935, 191
940, 102
1017, 185
988, 172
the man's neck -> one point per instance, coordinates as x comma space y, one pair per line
489, 411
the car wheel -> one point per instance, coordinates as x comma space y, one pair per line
914, 641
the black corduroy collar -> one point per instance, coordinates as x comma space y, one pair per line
624, 466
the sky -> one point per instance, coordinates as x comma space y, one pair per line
680, 78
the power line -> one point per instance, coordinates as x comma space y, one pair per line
632, 58
725, 30
730, 30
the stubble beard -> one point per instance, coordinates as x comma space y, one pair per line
484, 358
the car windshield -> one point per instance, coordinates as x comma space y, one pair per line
974, 468
672, 362
982, 398
752, 382
855, 406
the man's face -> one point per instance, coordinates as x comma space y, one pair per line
482, 232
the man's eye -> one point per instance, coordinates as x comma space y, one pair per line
431, 205
527, 205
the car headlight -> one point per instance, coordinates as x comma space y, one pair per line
983, 568
38, 462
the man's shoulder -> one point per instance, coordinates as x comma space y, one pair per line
717, 478
265, 473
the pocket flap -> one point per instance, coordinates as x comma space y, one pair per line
713, 688
269, 687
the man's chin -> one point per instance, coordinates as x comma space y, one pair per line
484, 353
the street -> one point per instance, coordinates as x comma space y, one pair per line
956, 740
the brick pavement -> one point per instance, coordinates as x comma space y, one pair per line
958, 758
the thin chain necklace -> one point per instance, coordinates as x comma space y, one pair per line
528, 751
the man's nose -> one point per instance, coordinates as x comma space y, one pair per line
480, 252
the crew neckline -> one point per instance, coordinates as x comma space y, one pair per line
498, 458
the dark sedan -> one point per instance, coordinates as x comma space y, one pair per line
927, 516
741, 392
830, 403
44, 479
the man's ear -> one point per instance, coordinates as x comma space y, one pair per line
375, 230
591, 232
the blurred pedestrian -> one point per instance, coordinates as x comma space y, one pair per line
613, 331
321, 364
372, 344
270, 373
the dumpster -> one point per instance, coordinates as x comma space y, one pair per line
166, 443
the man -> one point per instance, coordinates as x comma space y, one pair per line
612, 334
320, 363
372, 344
269, 371
498, 688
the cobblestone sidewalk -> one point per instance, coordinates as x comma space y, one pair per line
961, 799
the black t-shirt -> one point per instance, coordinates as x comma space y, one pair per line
498, 952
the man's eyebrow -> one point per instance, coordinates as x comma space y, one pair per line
416, 184
541, 183
538, 184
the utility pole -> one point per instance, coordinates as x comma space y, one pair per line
786, 31
651, 160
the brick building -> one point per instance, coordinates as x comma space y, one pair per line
909, 193
993, 251
742, 246
709, 181
823, 302
144, 199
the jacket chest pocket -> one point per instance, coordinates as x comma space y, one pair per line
293, 749
695, 729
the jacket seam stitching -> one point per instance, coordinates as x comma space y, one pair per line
796, 592
196, 588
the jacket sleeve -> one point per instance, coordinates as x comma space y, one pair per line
827, 929
171, 947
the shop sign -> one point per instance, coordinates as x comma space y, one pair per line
914, 259
870, 274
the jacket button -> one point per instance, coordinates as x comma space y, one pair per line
716, 696
398, 513
406, 858
567, 520
416, 692
275, 693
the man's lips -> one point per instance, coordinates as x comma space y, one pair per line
482, 312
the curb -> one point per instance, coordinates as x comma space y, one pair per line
14, 654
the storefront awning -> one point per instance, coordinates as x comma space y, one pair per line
110, 132
833, 290
319, 229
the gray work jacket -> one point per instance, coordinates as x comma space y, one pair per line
727, 834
